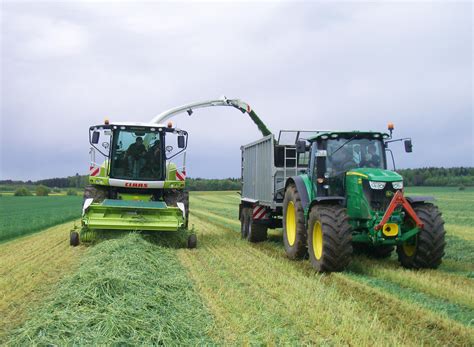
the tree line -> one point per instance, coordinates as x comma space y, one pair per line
428, 176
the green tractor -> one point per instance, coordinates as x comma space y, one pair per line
137, 175
333, 195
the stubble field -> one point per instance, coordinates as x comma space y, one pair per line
137, 289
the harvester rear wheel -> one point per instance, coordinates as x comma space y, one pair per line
94, 192
192, 241
426, 250
329, 238
294, 232
173, 196
74, 238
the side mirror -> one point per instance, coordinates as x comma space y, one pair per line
181, 141
408, 146
95, 137
301, 146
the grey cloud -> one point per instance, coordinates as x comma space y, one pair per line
300, 65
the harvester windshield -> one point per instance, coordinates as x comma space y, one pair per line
137, 154
345, 154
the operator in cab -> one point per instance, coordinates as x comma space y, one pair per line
372, 159
136, 157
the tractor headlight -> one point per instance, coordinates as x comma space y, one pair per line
377, 185
397, 185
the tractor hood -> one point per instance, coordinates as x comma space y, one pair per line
379, 175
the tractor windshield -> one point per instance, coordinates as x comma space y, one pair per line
344, 154
137, 154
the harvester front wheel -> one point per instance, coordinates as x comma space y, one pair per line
294, 232
329, 238
192, 241
426, 249
74, 238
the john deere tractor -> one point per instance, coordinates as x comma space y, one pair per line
135, 182
348, 201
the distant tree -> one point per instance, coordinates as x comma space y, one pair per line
22, 191
71, 192
42, 190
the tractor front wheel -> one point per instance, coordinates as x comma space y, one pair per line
294, 232
329, 238
425, 249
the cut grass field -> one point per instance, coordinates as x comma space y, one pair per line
241, 293
27, 214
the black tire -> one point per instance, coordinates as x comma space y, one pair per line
244, 227
294, 231
427, 249
330, 244
257, 232
192, 241
94, 192
173, 196
380, 252
74, 238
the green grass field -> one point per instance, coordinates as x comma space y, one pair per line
230, 292
27, 214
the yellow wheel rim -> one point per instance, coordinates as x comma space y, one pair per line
409, 250
317, 240
291, 223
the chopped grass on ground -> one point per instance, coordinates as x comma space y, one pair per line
127, 291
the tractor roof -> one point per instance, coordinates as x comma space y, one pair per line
335, 134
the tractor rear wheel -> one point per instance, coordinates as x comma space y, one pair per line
426, 249
294, 232
329, 238
74, 238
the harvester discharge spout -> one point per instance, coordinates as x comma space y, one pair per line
236, 103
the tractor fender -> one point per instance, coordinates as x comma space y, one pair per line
301, 188
340, 200
415, 199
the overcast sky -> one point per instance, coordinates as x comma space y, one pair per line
323, 65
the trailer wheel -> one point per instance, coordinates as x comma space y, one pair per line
425, 249
256, 232
329, 238
192, 241
244, 228
294, 232
74, 238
